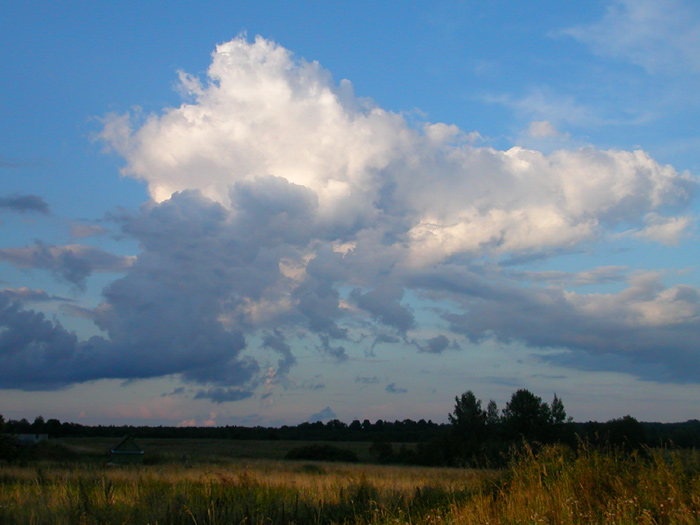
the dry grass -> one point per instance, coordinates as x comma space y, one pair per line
555, 486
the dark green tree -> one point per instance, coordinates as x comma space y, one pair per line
527, 416
468, 427
625, 432
557, 411
492, 416
468, 418
39, 425
8, 449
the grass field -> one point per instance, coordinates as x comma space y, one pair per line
203, 450
556, 485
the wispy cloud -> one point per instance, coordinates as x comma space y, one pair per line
24, 204
393, 389
74, 262
662, 36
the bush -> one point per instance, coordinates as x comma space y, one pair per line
317, 452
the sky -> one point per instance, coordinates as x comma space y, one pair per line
266, 213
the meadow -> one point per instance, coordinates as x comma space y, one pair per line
233, 482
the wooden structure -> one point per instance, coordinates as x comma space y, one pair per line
30, 439
126, 452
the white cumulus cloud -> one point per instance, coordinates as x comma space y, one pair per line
285, 209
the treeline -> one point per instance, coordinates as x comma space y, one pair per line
406, 431
486, 436
476, 435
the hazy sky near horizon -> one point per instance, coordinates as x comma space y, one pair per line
221, 213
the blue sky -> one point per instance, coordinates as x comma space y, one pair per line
219, 213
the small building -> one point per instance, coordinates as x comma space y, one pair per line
126, 452
30, 439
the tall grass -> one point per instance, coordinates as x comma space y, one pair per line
591, 486
554, 485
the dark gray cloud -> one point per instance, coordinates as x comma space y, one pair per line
436, 345
277, 210
367, 380
384, 305
175, 392
40, 354
161, 318
276, 341
385, 338
647, 325
167, 308
312, 385
205, 276
393, 389
24, 204
337, 352
73, 263
36, 353
223, 395
318, 301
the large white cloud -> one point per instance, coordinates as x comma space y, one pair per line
285, 207
262, 112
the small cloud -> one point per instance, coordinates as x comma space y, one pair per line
24, 204
80, 231
223, 395
324, 415
338, 353
438, 344
473, 137
367, 380
393, 389
662, 37
312, 385
385, 338
542, 128
73, 263
175, 392
665, 230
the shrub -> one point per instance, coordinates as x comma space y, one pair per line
322, 452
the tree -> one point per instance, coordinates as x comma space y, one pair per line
7, 446
625, 432
39, 425
468, 418
557, 412
526, 415
468, 427
492, 417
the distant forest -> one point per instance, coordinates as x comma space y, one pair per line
474, 436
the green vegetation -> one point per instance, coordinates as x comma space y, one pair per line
527, 463
555, 485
